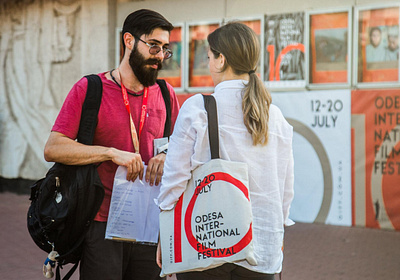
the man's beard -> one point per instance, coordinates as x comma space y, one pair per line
147, 76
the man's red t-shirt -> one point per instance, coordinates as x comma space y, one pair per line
113, 128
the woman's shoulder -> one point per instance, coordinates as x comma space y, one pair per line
275, 111
194, 102
278, 123
193, 108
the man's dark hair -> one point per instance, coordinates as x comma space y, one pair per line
144, 22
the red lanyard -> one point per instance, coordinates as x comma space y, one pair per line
135, 138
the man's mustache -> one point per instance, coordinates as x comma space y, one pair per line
153, 61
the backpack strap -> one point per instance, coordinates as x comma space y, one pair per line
167, 100
68, 275
213, 135
90, 109
87, 127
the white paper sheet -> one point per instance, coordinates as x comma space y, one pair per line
133, 215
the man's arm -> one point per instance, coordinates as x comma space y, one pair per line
62, 149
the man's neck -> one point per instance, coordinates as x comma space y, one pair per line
128, 78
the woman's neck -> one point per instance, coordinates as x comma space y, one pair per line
228, 75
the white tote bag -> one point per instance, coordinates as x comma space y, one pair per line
211, 223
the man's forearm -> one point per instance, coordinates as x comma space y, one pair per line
60, 148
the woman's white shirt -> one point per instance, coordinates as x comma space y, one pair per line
270, 166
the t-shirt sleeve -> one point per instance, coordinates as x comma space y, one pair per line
69, 117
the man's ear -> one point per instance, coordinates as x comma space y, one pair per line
129, 40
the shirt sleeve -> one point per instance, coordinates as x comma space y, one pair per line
177, 168
288, 189
69, 117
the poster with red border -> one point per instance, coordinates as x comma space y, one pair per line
284, 60
329, 47
375, 60
376, 158
172, 68
199, 74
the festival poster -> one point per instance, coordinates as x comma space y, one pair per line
284, 46
321, 147
199, 74
378, 45
376, 158
172, 67
329, 51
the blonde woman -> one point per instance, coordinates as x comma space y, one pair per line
252, 130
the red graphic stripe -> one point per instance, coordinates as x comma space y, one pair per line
177, 230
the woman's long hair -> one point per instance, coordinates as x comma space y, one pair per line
241, 48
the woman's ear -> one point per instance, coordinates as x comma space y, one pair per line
221, 61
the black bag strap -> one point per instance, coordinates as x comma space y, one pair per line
167, 100
90, 109
68, 275
213, 135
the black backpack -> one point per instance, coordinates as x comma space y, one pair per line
65, 202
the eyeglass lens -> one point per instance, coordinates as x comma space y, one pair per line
155, 49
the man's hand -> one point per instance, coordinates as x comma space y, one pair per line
155, 169
132, 161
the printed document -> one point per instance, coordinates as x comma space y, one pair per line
133, 215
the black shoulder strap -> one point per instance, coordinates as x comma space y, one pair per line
90, 109
167, 101
213, 136
87, 127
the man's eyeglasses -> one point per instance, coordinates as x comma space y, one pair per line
155, 49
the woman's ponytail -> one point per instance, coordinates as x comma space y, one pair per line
255, 107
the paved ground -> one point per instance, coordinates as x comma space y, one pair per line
312, 251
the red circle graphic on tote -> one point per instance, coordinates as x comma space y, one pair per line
217, 252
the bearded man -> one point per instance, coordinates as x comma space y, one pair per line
130, 95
